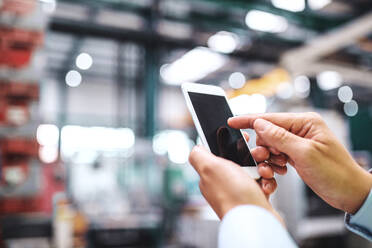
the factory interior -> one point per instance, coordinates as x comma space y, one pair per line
95, 133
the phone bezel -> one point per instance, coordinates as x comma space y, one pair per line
211, 90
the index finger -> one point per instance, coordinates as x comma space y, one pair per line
284, 120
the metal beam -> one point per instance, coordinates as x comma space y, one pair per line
86, 29
308, 19
306, 59
152, 68
299, 58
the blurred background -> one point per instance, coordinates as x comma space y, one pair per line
95, 134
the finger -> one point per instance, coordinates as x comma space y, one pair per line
246, 136
268, 185
278, 137
206, 164
261, 142
284, 120
281, 170
274, 151
260, 153
265, 170
200, 158
280, 159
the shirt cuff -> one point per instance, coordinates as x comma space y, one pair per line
361, 222
252, 226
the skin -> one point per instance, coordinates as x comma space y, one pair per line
237, 188
213, 170
305, 141
268, 164
319, 158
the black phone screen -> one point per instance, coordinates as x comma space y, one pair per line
224, 141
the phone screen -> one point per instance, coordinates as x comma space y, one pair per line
224, 141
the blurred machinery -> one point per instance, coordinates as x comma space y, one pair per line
26, 186
101, 87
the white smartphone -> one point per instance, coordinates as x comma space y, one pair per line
210, 111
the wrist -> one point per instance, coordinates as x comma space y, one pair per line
362, 185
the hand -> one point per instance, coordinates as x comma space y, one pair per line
313, 150
225, 184
267, 165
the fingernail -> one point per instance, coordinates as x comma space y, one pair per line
261, 125
268, 186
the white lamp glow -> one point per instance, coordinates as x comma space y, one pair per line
266, 22
84, 61
248, 104
290, 5
192, 66
237, 80
318, 4
47, 134
329, 80
73, 78
345, 94
302, 86
351, 108
223, 42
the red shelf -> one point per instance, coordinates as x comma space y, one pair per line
17, 46
18, 7
18, 90
19, 146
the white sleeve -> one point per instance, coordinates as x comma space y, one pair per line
361, 222
251, 226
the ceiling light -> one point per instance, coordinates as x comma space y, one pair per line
351, 108
237, 80
179, 153
285, 90
73, 78
192, 66
345, 94
84, 61
266, 22
47, 134
248, 104
223, 42
302, 86
164, 142
48, 154
48, 6
95, 140
290, 5
329, 80
318, 4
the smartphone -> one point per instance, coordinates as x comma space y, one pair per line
210, 111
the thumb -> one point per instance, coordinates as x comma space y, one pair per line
278, 138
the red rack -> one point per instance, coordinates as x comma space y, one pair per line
14, 114
16, 154
17, 46
18, 90
14, 102
19, 146
18, 7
